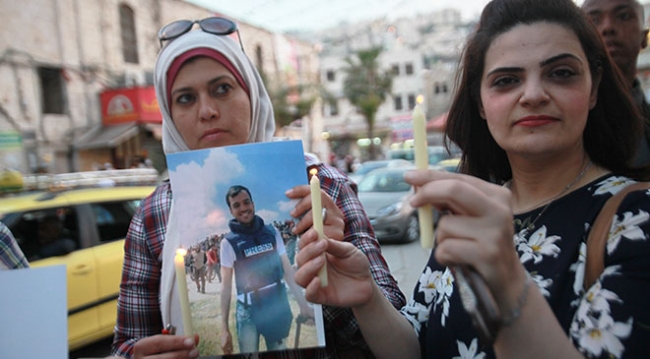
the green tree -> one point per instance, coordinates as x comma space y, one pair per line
286, 112
366, 87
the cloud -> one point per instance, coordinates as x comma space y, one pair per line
268, 216
287, 206
195, 187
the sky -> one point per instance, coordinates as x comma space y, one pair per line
313, 15
201, 180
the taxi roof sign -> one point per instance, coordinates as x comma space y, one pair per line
10, 181
13, 181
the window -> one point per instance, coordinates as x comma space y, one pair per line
129, 39
113, 219
409, 69
334, 107
398, 102
330, 75
52, 98
411, 101
45, 233
395, 69
440, 88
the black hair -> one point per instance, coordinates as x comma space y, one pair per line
613, 127
235, 190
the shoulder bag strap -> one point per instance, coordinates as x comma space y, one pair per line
597, 240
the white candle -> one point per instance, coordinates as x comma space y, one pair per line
425, 213
317, 216
181, 286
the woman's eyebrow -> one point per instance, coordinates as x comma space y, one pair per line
505, 70
542, 63
558, 58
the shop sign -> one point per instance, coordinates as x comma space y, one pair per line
136, 104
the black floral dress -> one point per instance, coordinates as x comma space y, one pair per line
609, 320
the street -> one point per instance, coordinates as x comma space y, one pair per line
406, 262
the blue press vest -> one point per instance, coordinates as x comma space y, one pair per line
257, 262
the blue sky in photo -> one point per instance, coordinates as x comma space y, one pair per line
201, 178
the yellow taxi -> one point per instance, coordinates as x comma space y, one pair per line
82, 228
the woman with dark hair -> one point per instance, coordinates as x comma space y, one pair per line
548, 133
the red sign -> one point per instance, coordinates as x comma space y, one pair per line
135, 104
402, 127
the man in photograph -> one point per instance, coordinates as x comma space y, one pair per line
255, 253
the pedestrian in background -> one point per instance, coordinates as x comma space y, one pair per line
621, 24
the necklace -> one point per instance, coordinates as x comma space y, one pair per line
524, 231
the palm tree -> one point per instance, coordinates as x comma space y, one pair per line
366, 87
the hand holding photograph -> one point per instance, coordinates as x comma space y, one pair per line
234, 223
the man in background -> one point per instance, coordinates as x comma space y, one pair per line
200, 268
621, 26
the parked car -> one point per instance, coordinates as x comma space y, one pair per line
436, 153
385, 197
368, 166
449, 165
83, 229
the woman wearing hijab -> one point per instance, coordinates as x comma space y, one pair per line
211, 95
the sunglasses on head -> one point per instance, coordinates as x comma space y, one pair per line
211, 25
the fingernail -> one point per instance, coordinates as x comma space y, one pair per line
194, 353
320, 245
188, 342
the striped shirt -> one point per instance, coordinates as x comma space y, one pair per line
11, 257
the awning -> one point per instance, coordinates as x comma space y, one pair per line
438, 123
106, 136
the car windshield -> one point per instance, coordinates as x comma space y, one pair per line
392, 181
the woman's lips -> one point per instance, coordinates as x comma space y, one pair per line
213, 133
533, 121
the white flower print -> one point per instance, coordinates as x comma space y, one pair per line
538, 245
416, 314
627, 227
579, 269
542, 283
613, 185
603, 334
429, 283
593, 328
445, 289
437, 286
469, 352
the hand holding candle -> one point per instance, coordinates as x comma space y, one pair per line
181, 284
425, 213
317, 216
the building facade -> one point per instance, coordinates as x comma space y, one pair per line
421, 53
58, 56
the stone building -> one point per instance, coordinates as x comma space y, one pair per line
421, 52
58, 57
